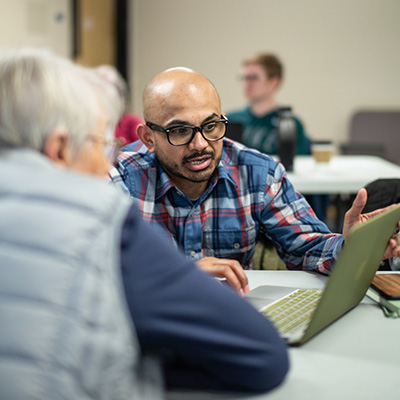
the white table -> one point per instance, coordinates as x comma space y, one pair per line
357, 357
344, 174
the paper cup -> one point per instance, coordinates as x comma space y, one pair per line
322, 151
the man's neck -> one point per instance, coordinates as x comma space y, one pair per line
193, 190
262, 107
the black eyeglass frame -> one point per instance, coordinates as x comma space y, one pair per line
195, 129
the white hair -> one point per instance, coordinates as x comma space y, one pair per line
41, 92
111, 75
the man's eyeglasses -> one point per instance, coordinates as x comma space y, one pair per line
252, 78
184, 134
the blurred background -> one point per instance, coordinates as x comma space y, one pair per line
340, 56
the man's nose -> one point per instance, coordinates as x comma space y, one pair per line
198, 142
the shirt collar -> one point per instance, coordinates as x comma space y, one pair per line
163, 183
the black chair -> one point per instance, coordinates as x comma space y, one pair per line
382, 193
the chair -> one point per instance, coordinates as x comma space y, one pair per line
374, 132
266, 257
382, 193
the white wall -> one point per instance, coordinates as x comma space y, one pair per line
38, 23
340, 55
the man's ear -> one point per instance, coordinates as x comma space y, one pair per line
56, 147
276, 82
146, 136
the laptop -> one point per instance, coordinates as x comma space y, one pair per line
346, 286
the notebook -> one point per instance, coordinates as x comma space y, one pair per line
387, 285
346, 286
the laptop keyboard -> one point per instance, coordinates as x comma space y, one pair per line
293, 311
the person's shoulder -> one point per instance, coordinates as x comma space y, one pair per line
82, 191
136, 156
298, 121
238, 115
235, 153
137, 147
127, 126
251, 165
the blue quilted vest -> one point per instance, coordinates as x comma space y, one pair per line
65, 331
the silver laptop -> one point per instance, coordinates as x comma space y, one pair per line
299, 314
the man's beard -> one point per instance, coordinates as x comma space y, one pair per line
200, 176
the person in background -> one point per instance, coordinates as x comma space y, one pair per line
213, 197
262, 76
95, 303
128, 123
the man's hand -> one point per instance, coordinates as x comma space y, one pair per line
354, 217
231, 270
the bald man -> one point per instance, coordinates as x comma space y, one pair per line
214, 197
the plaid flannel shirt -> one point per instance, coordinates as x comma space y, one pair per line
248, 195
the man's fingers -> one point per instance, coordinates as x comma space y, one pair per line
358, 203
231, 270
393, 249
353, 215
223, 271
239, 273
226, 272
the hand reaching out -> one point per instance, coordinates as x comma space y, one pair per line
354, 217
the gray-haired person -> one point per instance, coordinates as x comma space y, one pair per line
78, 265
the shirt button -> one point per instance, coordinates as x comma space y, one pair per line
192, 253
236, 245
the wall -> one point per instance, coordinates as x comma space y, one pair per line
340, 55
39, 23
97, 45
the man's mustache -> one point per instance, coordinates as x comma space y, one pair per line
198, 155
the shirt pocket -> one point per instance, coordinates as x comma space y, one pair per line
230, 243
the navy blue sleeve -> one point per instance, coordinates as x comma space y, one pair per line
207, 336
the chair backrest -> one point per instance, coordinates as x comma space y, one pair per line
375, 132
382, 193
